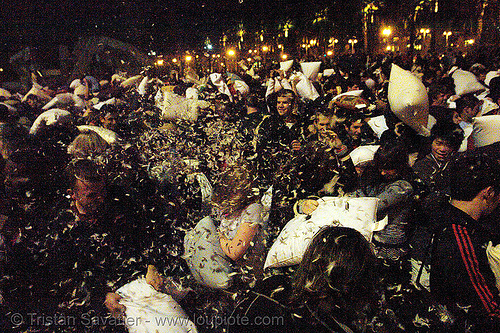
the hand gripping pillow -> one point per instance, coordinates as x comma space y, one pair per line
486, 130
292, 242
408, 99
208, 264
148, 310
466, 82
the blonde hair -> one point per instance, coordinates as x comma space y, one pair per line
86, 144
235, 189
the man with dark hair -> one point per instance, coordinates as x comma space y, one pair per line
355, 132
461, 277
468, 106
278, 136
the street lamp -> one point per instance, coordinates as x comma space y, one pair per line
425, 32
447, 34
386, 32
352, 42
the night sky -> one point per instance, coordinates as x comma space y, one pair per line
155, 24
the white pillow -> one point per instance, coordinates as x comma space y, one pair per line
490, 75
5, 93
148, 310
108, 135
408, 99
378, 125
131, 81
466, 82
65, 100
304, 87
310, 69
486, 130
49, 118
363, 154
349, 93
292, 242
286, 65
178, 107
328, 72
207, 262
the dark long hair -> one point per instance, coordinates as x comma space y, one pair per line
390, 156
338, 267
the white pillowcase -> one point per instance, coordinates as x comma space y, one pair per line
408, 99
148, 310
357, 213
466, 82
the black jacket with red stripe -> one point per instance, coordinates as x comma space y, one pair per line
460, 274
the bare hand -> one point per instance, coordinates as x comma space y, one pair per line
113, 305
309, 206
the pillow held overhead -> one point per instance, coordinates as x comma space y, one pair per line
408, 99
310, 69
466, 82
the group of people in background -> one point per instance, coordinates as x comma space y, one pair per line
104, 178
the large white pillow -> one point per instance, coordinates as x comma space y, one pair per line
293, 240
65, 100
466, 82
286, 65
310, 69
178, 107
49, 118
304, 87
408, 99
206, 260
486, 130
148, 310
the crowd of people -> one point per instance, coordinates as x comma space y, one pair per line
109, 179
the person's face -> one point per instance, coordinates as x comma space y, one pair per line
355, 129
89, 196
109, 121
441, 150
321, 123
284, 105
468, 113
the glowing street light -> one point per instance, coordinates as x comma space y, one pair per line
284, 56
352, 42
447, 34
159, 62
386, 32
265, 48
231, 53
469, 42
174, 60
329, 53
188, 58
425, 32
